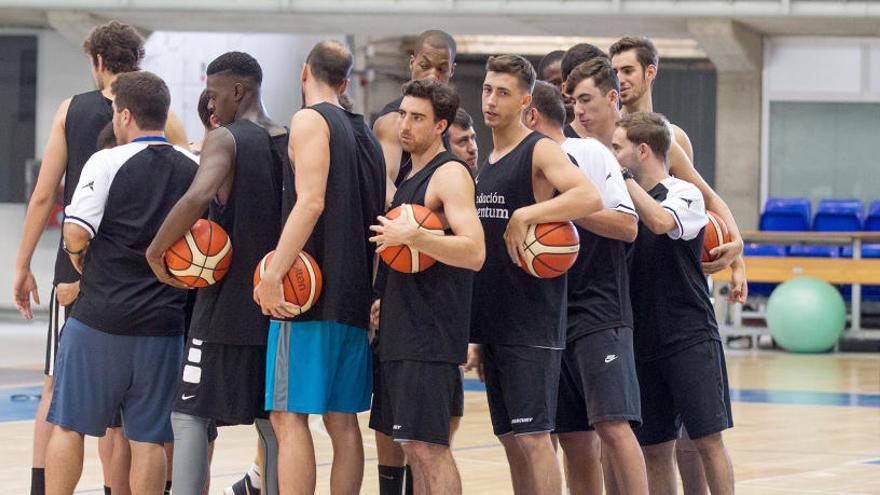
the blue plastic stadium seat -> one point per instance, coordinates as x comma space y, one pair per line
786, 214
763, 289
868, 251
811, 251
872, 221
839, 215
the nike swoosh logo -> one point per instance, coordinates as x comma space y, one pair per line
186, 397
610, 357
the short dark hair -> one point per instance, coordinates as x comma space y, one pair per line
649, 128
548, 60
436, 38
597, 69
106, 138
120, 46
204, 112
330, 62
646, 52
444, 99
145, 95
547, 100
514, 65
578, 54
239, 64
463, 119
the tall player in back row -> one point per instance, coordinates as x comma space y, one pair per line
240, 179
113, 49
433, 57
425, 316
519, 320
320, 362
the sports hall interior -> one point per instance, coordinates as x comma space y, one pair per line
780, 98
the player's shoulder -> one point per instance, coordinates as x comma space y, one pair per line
680, 188
305, 119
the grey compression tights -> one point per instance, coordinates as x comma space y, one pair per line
269, 444
190, 453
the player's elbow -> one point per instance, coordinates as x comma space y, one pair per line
312, 205
660, 225
478, 257
630, 230
42, 199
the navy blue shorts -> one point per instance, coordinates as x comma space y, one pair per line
97, 374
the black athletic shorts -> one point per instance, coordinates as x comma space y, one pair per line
417, 400
522, 383
226, 383
598, 381
688, 387
57, 317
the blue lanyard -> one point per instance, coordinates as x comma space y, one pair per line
161, 139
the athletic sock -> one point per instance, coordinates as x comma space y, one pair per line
391, 480
254, 474
38, 481
167, 488
409, 481
107, 490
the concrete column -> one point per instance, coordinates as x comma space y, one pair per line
736, 52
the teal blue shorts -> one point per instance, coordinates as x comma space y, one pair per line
316, 367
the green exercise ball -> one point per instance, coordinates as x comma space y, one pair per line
806, 314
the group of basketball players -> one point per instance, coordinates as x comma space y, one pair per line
612, 359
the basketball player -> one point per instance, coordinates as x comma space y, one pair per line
209, 122
320, 363
679, 358
636, 61
124, 337
574, 56
113, 48
240, 178
521, 328
598, 389
463, 139
425, 317
433, 57
550, 70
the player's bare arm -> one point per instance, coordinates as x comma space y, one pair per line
309, 150
52, 168
215, 169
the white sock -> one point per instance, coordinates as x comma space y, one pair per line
254, 474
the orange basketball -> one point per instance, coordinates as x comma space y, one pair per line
550, 249
302, 284
202, 256
715, 235
406, 259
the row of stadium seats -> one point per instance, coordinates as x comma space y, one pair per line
832, 215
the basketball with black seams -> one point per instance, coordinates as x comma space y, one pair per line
201, 257
715, 235
550, 249
406, 259
302, 283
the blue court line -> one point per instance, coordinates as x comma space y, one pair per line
20, 403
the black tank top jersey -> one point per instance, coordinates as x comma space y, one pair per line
569, 131
426, 316
87, 116
225, 313
670, 296
355, 196
509, 305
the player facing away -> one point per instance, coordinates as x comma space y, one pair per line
425, 316
679, 357
519, 320
320, 362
